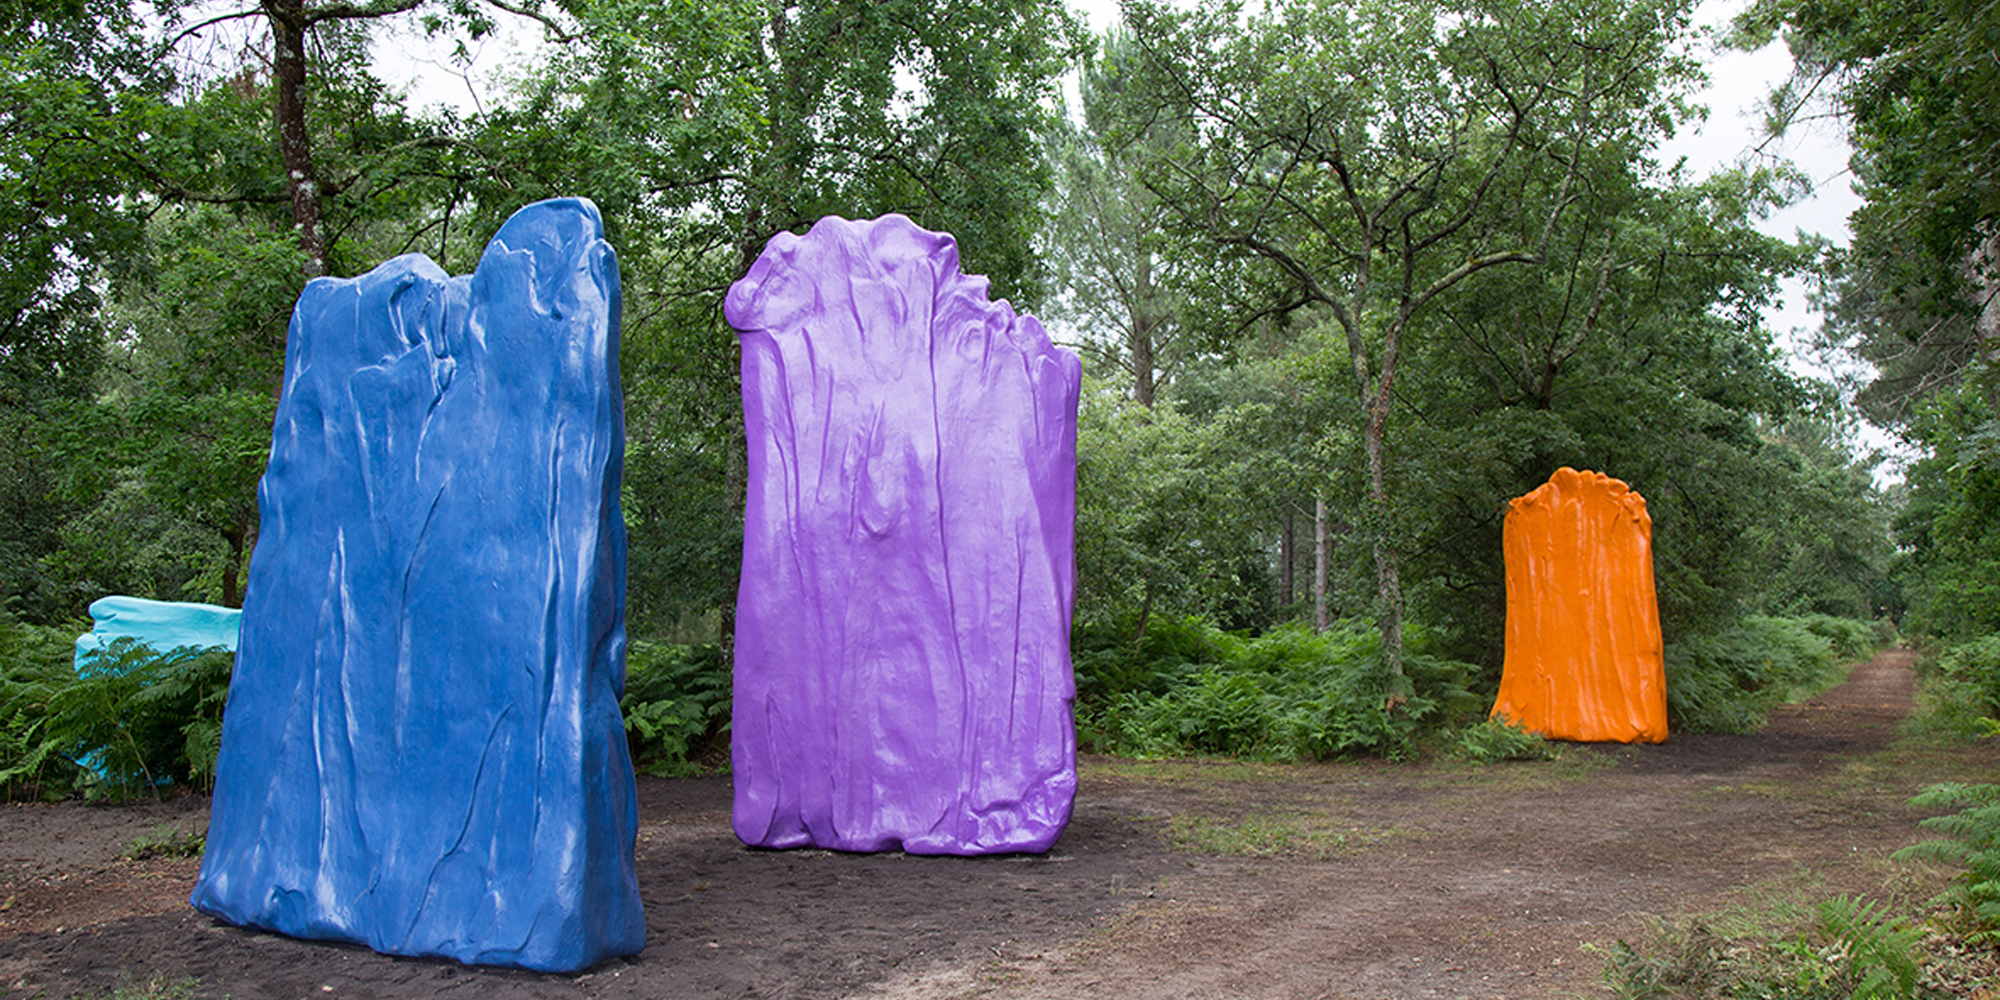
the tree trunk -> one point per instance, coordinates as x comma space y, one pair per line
1320, 620
1143, 360
232, 590
1388, 574
288, 34
1285, 536
1145, 618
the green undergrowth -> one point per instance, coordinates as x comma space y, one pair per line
1725, 682
1190, 690
1961, 695
676, 707
1913, 942
1493, 740
129, 723
166, 840
155, 988
1962, 688
1841, 948
148, 720
135, 721
1971, 842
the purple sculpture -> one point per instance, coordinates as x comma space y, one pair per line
422, 750
902, 631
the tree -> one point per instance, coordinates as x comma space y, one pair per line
161, 205
1379, 155
703, 129
73, 80
1115, 281
1637, 350
338, 29
1917, 293
1159, 525
1949, 527
1825, 545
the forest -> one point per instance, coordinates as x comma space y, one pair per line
1347, 277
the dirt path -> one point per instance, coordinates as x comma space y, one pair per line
1380, 881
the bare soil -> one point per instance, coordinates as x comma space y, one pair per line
1175, 879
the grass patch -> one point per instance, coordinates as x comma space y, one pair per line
167, 840
1835, 949
1196, 772
156, 988
1265, 835
1566, 762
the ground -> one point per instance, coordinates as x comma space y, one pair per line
1175, 879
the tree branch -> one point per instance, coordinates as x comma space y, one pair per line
352, 12
556, 31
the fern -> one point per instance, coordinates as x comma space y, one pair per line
676, 706
1974, 832
1876, 951
125, 723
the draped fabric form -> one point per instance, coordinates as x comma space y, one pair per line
1584, 658
902, 630
422, 750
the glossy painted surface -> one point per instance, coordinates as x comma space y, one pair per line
1584, 659
902, 631
163, 625
422, 750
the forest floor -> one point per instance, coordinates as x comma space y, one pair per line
1174, 879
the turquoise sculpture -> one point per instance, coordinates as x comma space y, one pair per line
160, 625
422, 750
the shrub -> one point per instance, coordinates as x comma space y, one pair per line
1726, 681
1975, 844
676, 707
1967, 687
1288, 694
134, 719
1851, 639
1844, 949
1108, 664
1497, 739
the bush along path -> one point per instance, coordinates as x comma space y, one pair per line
1176, 879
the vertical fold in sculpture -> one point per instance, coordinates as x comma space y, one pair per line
1584, 659
902, 631
422, 750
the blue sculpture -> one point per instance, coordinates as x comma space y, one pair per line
162, 625
422, 750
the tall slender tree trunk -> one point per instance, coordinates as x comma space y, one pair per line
1285, 558
288, 33
1388, 572
1143, 323
1320, 620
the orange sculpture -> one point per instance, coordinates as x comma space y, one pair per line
1584, 659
